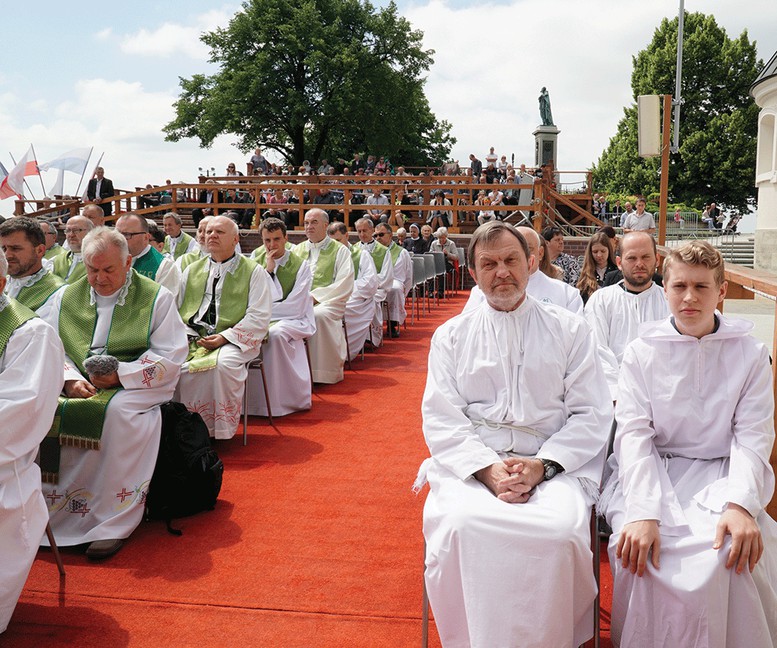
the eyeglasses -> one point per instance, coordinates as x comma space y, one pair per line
381, 234
75, 230
129, 235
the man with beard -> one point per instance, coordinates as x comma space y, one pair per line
516, 428
29, 282
615, 312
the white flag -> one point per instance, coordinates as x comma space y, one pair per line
74, 161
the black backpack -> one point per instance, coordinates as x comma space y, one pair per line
188, 473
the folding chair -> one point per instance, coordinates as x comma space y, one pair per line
462, 266
257, 363
431, 276
419, 278
440, 270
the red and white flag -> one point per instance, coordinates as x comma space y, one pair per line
13, 183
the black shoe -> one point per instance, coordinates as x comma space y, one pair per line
101, 549
394, 329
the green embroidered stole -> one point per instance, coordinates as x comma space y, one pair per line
189, 258
11, 318
324, 274
34, 296
54, 250
286, 274
148, 264
62, 263
181, 246
395, 251
230, 310
356, 255
79, 421
378, 255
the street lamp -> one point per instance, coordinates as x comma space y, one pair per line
678, 79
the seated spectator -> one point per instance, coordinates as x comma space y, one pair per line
599, 260
333, 272
555, 238
109, 426
277, 197
31, 378
384, 267
29, 281
515, 414
70, 266
485, 215
146, 260
292, 321
225, 303
439, 217
402, 236
403, 278
693, 551
376, 199
426, 240
327, 197
381, 167
360, 307
398, 218
443, 244
413, 243
208, 196
177, 242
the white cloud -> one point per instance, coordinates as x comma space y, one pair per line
174, 38
104, 34
492, 59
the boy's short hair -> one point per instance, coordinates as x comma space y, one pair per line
697, 253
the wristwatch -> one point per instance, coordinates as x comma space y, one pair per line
552, 468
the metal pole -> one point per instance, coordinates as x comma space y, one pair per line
678, 79
664, 170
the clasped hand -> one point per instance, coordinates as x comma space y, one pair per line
512, 480
88, 388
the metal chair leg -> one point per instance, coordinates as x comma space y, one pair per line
347, 348
266, 393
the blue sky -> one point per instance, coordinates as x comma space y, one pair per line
78, 74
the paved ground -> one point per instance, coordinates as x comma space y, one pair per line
760, 311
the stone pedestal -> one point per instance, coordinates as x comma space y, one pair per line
545, 145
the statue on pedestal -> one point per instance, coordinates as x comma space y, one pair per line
545, 114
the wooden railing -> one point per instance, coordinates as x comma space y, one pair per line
460, 190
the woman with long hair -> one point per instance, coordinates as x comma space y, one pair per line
598, 261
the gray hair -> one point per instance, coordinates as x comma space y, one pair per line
174, 216
3, 264
366, 221
100, 240
48, 228
442, 231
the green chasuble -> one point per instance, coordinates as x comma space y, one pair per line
378, 254
324, 274
181, 246
230, 310
34, 296
395, 251
11, 318
189, 258
54, 250
148, 264
286, 274
356, 255
79, 421
62, 263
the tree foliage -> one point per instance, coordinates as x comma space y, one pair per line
718, 119
315, 78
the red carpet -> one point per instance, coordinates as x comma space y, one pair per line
316, 539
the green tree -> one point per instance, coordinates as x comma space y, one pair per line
718, 124
316, 79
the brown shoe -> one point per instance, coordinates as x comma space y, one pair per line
101, 549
